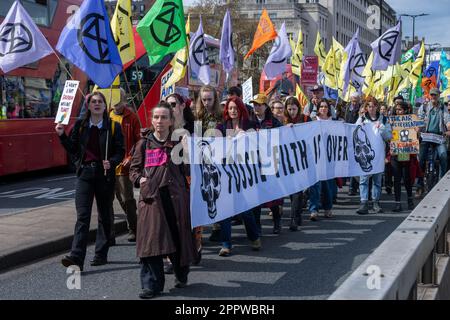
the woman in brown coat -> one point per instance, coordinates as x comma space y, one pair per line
164, 226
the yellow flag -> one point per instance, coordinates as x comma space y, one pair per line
416, 70
368, 74
292, 43
112, 93
297, 56
302, 98
405, 83
122, 30
319, 50
180, 60
332, 65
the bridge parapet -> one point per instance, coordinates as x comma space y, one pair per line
413, 262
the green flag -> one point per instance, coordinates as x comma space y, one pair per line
162, 30
408, 56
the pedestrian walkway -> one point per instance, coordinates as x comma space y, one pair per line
36, 233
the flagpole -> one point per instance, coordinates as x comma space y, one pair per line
142, 93
68, 72
107, 130
335, 74
129, 90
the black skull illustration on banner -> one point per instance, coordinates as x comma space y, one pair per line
364, 154
210, 186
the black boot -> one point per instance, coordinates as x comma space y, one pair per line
276, 226
410, 204
398, 207
293, 225
363, 208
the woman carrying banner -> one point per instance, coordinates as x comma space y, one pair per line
208, 112
401, 168
278, 110
164, 226
236, 122
373, 117
96, 143
266, 120
327, 186
293, 115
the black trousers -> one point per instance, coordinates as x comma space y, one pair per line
297, 206
92, 183
400, 169
152, 271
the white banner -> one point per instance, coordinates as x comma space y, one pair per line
232, 175
247, 90
65, 104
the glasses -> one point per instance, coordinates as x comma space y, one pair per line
173, 104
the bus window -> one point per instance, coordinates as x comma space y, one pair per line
37, 9
28, 97
145, 73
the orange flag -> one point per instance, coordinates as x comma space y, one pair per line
264, 32
427, 85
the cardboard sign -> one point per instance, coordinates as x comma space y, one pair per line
310, 69
65, 104
165, 91
404, 136
247, 90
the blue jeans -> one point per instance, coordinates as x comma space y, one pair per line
376, 186
442, 155
314, 195
250, 227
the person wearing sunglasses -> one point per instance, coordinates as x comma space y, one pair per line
95, 162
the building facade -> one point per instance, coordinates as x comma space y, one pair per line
138, 7
333, 18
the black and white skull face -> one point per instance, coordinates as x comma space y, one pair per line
210, 187
364, 154
404, 135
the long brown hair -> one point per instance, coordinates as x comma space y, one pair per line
287, 117
200, 109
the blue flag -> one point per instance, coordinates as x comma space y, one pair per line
432, 70
329, 93
88, 43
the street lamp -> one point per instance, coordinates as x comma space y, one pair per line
414, 16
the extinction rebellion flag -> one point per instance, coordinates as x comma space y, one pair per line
162, 30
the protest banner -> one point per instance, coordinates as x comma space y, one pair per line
65, 104
404, 134
232, 175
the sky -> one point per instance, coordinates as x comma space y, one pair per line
433, 27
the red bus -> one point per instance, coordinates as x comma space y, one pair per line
29, 96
